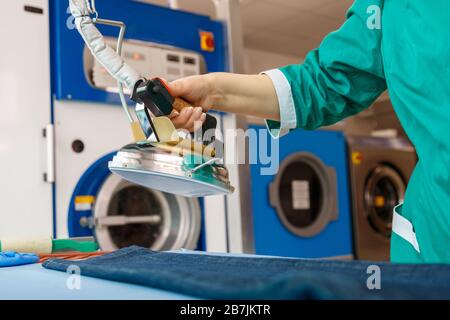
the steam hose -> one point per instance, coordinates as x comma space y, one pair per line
105, 55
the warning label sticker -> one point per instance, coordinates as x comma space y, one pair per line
300, 195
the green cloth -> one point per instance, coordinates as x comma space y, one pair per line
410, 56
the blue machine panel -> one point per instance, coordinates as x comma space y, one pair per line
144, 22
271, 236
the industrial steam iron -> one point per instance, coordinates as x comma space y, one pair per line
160, 158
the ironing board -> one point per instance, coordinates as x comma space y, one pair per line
35, 282
32, 282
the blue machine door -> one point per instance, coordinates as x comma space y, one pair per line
122, 214
303, 194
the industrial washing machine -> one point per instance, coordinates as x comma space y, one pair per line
303, 210
380, 169
90, 125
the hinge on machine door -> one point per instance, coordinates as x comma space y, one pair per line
49, 134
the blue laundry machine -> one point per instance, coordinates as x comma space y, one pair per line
90, 126
304, 209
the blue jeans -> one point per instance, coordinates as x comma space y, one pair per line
231, 277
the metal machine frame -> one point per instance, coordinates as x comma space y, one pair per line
239, 208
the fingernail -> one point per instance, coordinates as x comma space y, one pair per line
190, 110
203, 117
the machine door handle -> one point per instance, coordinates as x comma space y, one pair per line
121, 220
49, 135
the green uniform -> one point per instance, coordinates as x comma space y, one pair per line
410, 56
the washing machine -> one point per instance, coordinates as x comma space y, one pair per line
90, 126
303, 208
379, 172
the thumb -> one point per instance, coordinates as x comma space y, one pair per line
171, 87
177, 87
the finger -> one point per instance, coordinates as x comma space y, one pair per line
182, 119
174, 114
195, 117
199, 123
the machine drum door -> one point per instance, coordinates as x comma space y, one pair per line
127, 214
304, 194
384, 190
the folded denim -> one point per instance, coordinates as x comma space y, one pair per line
231, 277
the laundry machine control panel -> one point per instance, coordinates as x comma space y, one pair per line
158, 42
149, 58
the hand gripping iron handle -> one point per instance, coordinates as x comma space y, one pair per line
156, 96
210, 123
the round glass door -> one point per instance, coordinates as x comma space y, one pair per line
384, 190
144, 213
126, 214
304, 194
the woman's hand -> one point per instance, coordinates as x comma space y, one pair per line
190, 118
199, 90
196, 90
252, 95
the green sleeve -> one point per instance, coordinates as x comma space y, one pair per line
343, 76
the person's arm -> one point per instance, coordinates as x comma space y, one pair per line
340, 78
245, 94
236, 93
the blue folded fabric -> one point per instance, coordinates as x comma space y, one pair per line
231, 277
11, 259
